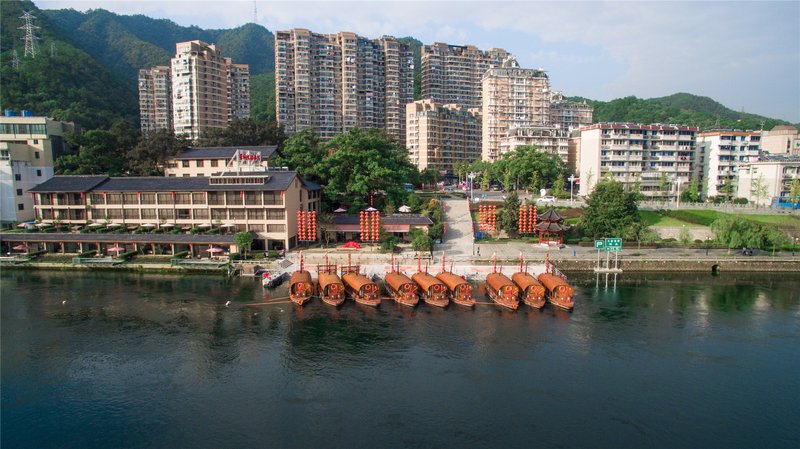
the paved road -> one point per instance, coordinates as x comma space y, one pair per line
458, 236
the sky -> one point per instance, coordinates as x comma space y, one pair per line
745, 55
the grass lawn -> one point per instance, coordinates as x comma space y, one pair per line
651, 218
782, 221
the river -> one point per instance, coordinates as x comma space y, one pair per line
99, 360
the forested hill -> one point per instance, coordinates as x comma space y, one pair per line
62, 81
127, 43
680, 108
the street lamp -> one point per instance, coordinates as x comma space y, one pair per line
708, 244
571, 179
471, 177
677, 192
794, 247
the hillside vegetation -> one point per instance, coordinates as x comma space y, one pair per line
680, 108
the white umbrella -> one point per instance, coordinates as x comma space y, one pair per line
41, 225
95, 225
204, 225
148, 225
228, 225
24, 225
339, 211
113, 225
404, 209
116, 248
370, 209
215, 250
167, 225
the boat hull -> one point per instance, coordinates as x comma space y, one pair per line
502, 291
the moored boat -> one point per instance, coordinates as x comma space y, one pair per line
431, 290
360, 287
460, 289
301, 287
401, 288
501, 289
531, 289
559, 293
329, 286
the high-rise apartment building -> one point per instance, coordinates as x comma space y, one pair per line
660, 159
331, 83
208, 91
569, 114
155, 98
723, 151
438, 136
452, 74
547, 139
28, 148
512, 97
239, 91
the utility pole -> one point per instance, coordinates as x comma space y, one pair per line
29, 38
53, 51
571, 180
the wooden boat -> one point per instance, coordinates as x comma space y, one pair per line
360, 287
559, 293
532, 290
432, 290
401, 288
460, 289
329, 287
301, 286
501, 289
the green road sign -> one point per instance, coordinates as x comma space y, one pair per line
612, 244
599, 244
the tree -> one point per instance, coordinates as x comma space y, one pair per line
558, 187
663, 183
609, 210
100, 151
776, 238
735, 232
363, 162
726, 191
244, 240
794, 192
508, 215
150, 154
429, 176
460, 169
759, 189
685, 237
388, 241
421, 241
531, 168
324, 223
301, 152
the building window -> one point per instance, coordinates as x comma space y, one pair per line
36, 155
276, 228
214, 162
20, 206
199, 164
17, 177
19, 192
185, 164
38, 173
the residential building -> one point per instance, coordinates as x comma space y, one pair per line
238, 91
438, 136
208, 91
452, 74
331, 83
512, 97
659, 160
782, 139
723, 151
28, 148
155, 98
547, 139
767, 181
569, 114
208, 161
262, 202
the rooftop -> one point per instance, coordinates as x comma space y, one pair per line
224, 152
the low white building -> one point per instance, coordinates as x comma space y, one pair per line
723, 151
765, 181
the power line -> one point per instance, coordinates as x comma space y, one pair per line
30, 38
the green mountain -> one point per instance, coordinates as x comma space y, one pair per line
127, 43
62, 81
680, 108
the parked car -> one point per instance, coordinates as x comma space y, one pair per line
547, 199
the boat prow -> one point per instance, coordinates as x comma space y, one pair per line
532, 291
502, 290
559, 293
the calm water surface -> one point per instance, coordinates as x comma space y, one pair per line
158, 361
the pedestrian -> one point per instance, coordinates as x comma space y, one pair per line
574, 253
479, 251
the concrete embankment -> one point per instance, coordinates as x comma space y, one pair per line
751, 264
